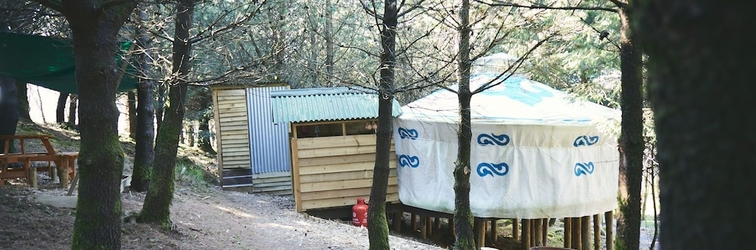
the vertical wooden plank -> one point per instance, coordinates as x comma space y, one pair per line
567, 238
537, 232
343, 129
437, 223
609, 230
296, 186
585, 233
525, 234
515, 229
596, 232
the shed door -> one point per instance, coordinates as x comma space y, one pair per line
268, 142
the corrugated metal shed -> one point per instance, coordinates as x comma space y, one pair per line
326, 104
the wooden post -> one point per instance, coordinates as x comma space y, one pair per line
515, 229
585, 232
596, 232
33, 177
398, 221
479, 229
576, 228
494, 231
538, 235
429, 225
437, 223
545, 239
609, 230
525, 234
533, 226
567, 233
451, 226
423, 228
413, 222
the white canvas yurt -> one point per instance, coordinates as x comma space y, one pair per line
536, 152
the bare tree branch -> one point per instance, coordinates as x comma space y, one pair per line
52, 4
545, 7
512, 68
202, 35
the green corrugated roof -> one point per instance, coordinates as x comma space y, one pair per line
326, 104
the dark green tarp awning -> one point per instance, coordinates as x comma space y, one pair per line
48, 62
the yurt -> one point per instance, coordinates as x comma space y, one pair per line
536, 152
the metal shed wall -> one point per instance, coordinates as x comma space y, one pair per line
269, 142
253, 152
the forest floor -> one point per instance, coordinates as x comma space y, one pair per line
203, 215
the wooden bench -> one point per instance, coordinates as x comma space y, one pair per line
64, 162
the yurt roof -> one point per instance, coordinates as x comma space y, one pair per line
516, 100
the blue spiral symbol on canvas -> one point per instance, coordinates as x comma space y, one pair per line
492, 169
409, 161
408, 133
493, 139
584, 168
585, 140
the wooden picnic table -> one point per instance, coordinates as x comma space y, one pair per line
64, 161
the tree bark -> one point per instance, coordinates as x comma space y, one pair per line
156, 207
72, 107
328, 33
463, 217
144, 152
23, 101
98, 208
8, 109
60, 108
377, 224
131, 109
701, 87
631, 141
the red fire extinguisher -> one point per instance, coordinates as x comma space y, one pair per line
359, 213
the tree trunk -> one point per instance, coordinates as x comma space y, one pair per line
156, 207
160, 105
131, 109
60, 108
72, 104
463, 217
631, 142
144, 152
377, 225
701, 88
328, 33
23, 101
98, 208
203, 142
8, 109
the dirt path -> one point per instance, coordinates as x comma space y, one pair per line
204, 218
